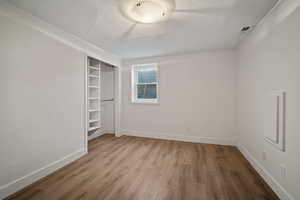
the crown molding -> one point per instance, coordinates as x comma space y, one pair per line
21, 16
279, 13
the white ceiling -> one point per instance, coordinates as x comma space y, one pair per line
195, 25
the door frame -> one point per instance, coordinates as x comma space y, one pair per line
117, 101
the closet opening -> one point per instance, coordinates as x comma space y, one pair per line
101, 98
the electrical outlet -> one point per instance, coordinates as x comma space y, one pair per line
283, 171
264, 155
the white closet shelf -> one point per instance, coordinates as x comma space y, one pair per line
93, 88
95, 68
93, 76
94, 120
93, 128
94, 110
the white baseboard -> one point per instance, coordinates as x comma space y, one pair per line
32, 177
99, 133
95, 135
277, 188
109, 132
118, 134
183, 138
36, 175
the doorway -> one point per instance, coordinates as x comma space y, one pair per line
102, 99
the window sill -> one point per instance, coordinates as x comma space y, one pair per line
149, 102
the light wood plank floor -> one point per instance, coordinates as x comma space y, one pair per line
132, 168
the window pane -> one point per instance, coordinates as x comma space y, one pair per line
146, 91
146, 76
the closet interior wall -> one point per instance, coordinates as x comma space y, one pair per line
107, 98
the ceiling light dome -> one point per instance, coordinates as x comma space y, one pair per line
147, 11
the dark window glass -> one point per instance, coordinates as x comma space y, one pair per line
146, 91
147, 76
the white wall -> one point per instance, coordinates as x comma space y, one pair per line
197, 99
42, 104
42, 92
269, 60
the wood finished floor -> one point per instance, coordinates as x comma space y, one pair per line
132, 168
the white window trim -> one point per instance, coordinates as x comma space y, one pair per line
134, 98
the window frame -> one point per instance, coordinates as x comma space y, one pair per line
134, 69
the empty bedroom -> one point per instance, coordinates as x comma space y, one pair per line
149, 99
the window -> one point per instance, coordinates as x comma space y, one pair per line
145, 83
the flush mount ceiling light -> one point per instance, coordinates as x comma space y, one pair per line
147, 11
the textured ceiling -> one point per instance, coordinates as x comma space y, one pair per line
195, 24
